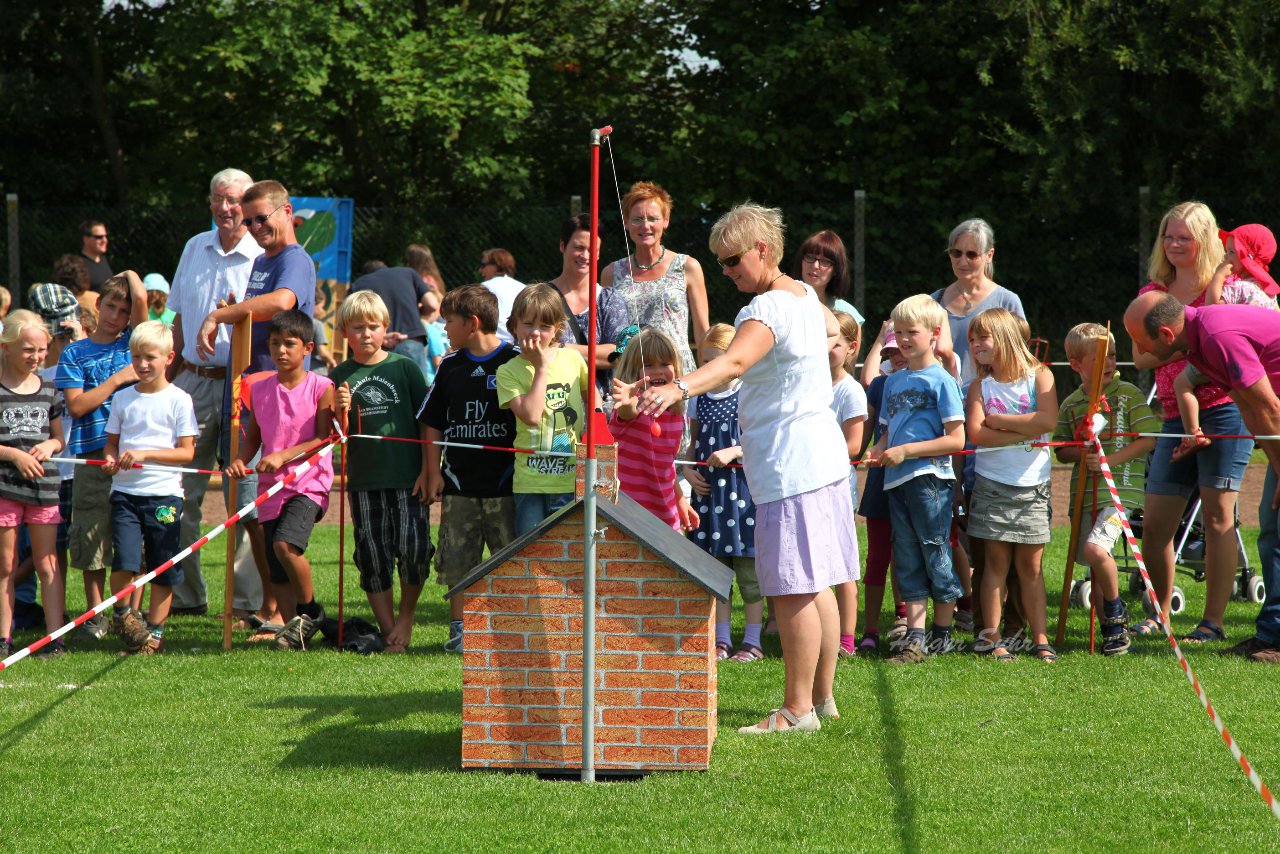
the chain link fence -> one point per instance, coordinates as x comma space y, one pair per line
1066, 270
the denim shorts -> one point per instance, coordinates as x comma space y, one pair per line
1220, 465
533, 507
920, 510
146, 532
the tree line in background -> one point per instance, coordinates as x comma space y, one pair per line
1042, 117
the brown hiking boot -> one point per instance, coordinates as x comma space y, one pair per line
132, 627
1248, 647
910, 652
1268, 655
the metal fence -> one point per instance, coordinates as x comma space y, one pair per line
1066, 270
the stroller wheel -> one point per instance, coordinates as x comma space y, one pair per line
1177, 602
1257, 590
1080, 592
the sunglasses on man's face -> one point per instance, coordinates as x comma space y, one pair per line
735, 259
960, 253
255, 222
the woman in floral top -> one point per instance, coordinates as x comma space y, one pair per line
661, 288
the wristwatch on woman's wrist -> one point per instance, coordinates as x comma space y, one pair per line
684, 389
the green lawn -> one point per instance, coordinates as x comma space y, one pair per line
197, 749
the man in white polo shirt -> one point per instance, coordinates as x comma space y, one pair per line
214, 268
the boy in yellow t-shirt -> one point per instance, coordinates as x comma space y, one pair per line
545, 386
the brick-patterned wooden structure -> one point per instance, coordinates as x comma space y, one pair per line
655, 648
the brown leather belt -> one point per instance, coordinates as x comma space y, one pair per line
207, 373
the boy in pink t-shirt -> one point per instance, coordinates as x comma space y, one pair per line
291, 411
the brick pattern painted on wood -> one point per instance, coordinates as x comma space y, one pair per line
522, 669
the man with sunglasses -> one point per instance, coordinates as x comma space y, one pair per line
283, 277
93, 240
214, 268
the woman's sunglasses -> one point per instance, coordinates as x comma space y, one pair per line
960, 253
733, 260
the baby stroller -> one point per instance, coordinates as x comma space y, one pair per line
1188, 558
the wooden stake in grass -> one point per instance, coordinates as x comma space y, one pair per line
241, 344
1095, 394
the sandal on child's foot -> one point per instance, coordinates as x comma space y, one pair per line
1146, 627
723, 650
870, 643
747, 653
1204, 633
1044, 652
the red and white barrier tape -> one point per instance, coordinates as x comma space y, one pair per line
146, 578
1249, 771
77, 461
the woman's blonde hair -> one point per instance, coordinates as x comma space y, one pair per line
362, 305
746, 225
648, 347
1011, 354
17, 322
718, 337
1204, 228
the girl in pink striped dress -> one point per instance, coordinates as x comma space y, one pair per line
647, 447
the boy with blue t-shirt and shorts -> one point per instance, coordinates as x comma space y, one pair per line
151, 422
924, 417
473, 486
90, 372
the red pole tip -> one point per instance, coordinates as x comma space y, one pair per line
606, 130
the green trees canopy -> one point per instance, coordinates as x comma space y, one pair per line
1043, 116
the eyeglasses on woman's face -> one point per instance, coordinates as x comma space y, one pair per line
961, 253
819, 261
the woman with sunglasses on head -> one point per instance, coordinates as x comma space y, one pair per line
971, 249
823, 264
793, 454
662, 289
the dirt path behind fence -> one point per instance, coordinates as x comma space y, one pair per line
1061, 484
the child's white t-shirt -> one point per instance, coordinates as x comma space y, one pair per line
848, 400
149, 422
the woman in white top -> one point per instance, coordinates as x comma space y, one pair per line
661, 288
793, 454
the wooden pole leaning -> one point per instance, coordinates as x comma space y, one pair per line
1095, 394
241, 346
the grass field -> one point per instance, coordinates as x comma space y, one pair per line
197, 749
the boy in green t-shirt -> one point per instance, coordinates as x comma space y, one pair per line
1126, 412
386, 479
545, 386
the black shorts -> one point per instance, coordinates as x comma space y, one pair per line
293, 526
146, 532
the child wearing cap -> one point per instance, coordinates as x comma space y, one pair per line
1249, 249
158, 298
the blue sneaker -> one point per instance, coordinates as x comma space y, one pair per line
454, 643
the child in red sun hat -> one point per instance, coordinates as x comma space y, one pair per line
1245, 268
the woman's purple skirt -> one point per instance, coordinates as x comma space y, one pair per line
806, 542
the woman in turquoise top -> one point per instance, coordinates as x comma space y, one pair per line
823, 264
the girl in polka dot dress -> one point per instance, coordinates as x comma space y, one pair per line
726, 514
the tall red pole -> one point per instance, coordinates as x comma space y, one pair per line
593, 279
